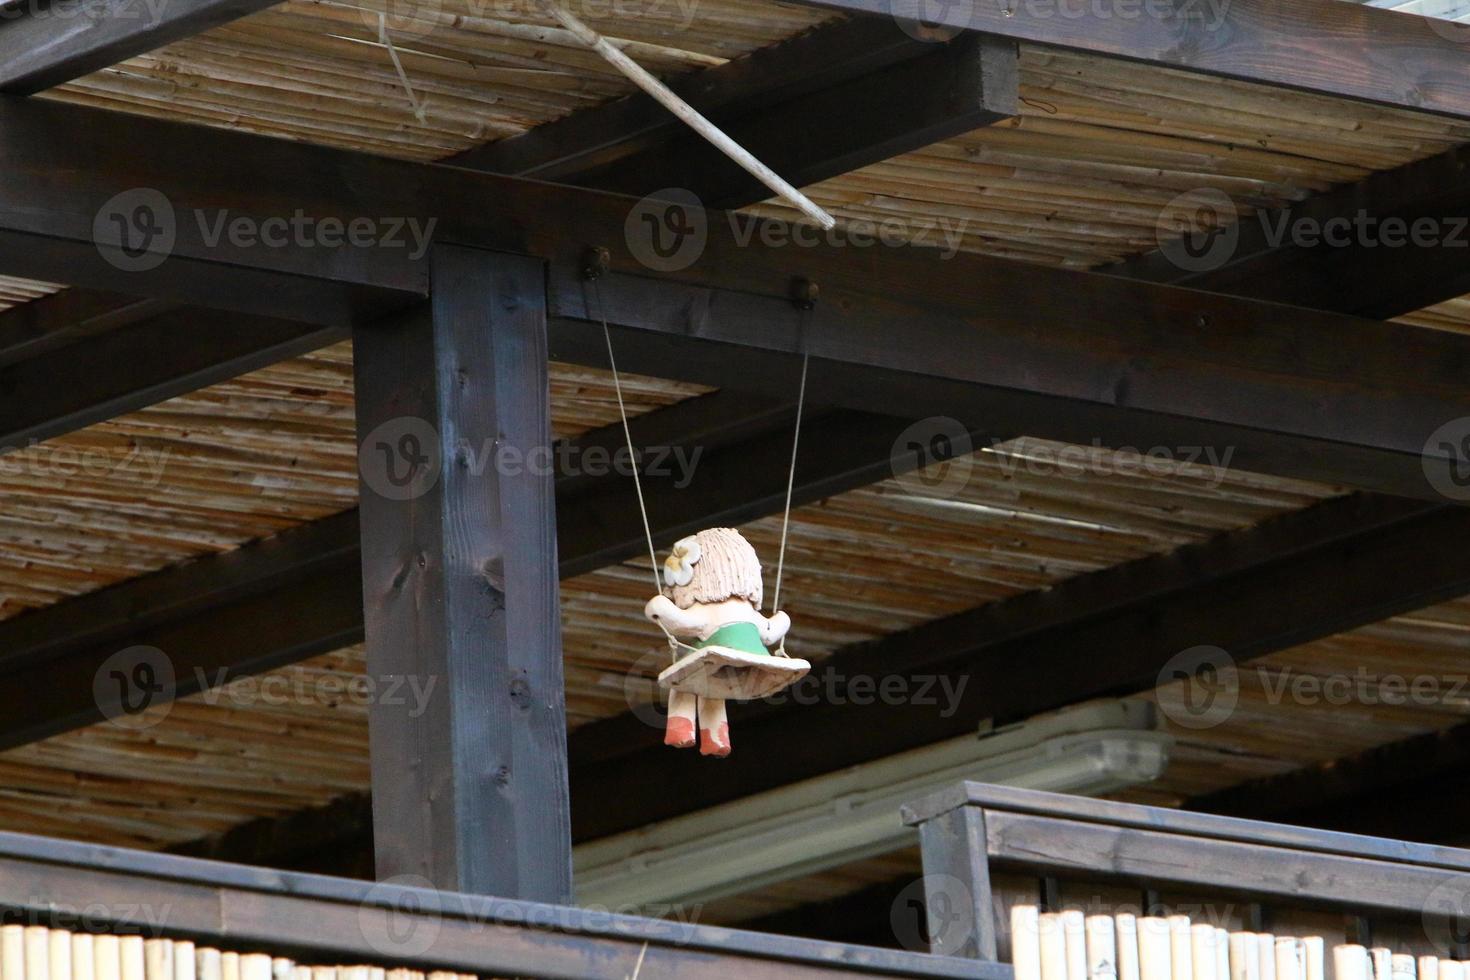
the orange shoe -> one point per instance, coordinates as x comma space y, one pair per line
715, 741
679, 732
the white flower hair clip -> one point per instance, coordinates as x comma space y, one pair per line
679, 566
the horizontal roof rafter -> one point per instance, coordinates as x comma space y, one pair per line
49, 44
1347, 50
1059, 353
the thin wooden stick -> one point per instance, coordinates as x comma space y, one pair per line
658, 90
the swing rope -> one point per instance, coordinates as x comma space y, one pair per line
790, 485
612, 362
675, 644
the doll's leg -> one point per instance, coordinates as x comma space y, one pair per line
679, 732
714, 727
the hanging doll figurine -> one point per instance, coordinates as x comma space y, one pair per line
711, 604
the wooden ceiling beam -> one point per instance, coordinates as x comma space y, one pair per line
79, 357
43, 45
1068, 355
1352, 51
840, 97
1372, 266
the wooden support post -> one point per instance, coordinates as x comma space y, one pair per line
459, 568
957, 902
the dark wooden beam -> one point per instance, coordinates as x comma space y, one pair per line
47, 44
826, 57
460, 585
324, 919
1069, 355
1351, 249
947, 90
82, 358
1356, 52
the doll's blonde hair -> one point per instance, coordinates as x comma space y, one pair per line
712, 566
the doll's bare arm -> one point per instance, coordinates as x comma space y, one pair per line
661, 609
773, 629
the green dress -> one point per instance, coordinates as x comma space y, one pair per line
745, 637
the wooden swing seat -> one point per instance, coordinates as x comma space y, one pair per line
723, 672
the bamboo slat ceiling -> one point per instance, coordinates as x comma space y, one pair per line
1079, 178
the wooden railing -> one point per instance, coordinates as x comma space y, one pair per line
975, 832
314, 919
